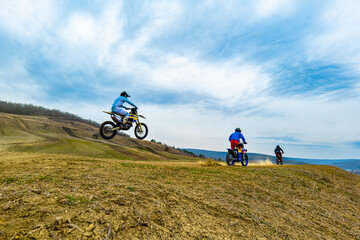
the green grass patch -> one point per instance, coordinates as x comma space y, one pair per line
44, 178
9, 180
142, 148
131, 189
76, 199
77, 147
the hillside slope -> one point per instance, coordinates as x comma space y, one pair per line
61, 184
20, 133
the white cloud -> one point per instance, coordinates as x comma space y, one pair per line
88, 42
84, 42
339, 35
268, 8
28, 20
16, 85
224, 81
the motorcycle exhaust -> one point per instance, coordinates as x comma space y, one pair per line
115, 119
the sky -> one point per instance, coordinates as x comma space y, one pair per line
287, 72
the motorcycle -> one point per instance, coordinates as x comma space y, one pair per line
279, 158
237, 155
109, 129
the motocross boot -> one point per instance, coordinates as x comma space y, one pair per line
121, 124
125, 120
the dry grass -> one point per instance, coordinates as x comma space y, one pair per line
69, 197
210, 163
51, 188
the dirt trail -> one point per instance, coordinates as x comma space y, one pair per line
24, 126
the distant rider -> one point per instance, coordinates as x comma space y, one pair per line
235, 138
278, 150
118, 107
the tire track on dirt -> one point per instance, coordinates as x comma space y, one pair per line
23, 126
69, 132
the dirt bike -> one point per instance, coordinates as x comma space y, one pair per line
109, 129
279, 158
237, 155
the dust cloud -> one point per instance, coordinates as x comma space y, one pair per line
261, 163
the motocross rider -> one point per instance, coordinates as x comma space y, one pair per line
118, 107
235, 138
278, 150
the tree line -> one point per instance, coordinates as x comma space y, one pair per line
32, 110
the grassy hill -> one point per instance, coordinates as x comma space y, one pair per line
43, 134
58, 181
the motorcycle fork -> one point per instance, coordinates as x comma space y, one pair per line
239, 153
138, 122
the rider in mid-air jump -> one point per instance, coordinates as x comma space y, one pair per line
235, 138
118, 107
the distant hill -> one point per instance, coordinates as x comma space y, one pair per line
347, 164
351, 164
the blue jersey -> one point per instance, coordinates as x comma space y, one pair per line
236, 136
119, 102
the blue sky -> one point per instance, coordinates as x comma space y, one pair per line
286, 72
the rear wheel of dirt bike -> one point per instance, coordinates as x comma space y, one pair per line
141, 132
244, 159
106, 131
230, 159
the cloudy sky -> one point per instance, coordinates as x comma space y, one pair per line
286, 72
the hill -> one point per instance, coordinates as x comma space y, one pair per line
58, 181
32, 110
45, 134
350, 164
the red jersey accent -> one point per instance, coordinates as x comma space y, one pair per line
234, 144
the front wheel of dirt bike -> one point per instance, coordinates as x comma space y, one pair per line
106, 131
244, 159
141, 132
230, 159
